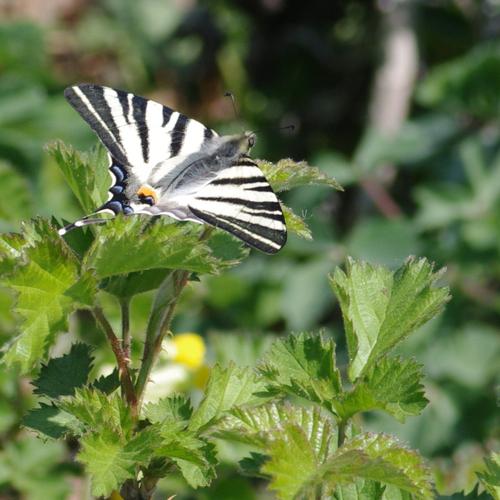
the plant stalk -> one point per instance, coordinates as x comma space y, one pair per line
125, 310
114, 341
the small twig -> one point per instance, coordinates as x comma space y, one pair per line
125, 309
114, 341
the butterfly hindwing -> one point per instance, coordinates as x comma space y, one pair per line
241, 201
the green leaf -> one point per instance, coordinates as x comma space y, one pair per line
490, 476
196, 460
61, 376
371, 457
381, 308
257, 426
296, 224
51, 421
288, 174
86, 174
175, 408
131, 244
303, 365
99, 411
361, 489
226, 388
392, 384
110, 461
107, 383
46, 293
379, 457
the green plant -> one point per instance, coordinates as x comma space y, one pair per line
295, 411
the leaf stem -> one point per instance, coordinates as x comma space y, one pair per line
158, 325
114, 341
125, 310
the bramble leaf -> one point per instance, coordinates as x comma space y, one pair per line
303, 365
50, 421
61, 376
296, 224
226, 388
392, 384
288, 174
48, 289
87, 174
381, 308
110, 461
99, 411
373, 457
175, 408
132, 244
257, 426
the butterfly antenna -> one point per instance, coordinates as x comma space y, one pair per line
233, 101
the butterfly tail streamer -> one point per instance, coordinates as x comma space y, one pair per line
85, 221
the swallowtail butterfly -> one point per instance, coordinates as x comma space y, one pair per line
164, 163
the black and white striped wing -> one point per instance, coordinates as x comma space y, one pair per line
137, 132
241, 201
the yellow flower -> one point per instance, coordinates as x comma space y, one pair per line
187, 349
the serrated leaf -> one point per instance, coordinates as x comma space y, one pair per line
296, 224
490, 476
360, 490
380, 308
171, 409
133, 244
110, 461
372, 457
50, 421
288, 174
61, 376
46, 292
99, 411
226, 388
107, 383
379, 457
86, 174
392, 384
257, 426
303, 365
196, 459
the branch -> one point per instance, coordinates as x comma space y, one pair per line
125, 379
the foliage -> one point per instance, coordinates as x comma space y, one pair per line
420, 166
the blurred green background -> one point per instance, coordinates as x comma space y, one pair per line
398, 99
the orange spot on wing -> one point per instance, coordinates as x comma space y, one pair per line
147, 191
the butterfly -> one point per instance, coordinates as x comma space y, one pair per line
163, 163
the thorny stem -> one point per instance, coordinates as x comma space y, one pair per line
125, 310
159, 321
114, 341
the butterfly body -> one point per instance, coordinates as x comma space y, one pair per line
163, 163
